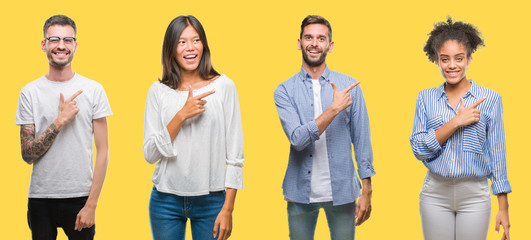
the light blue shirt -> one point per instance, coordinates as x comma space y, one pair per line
475, 150
294, 102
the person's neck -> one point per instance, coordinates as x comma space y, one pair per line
60, 74
189, 78
316, 71
457, 90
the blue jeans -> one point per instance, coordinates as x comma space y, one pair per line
45, 215
168, 214
302, 219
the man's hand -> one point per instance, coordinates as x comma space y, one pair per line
342, 98
468, 115
85, 218
67, 110
364, 206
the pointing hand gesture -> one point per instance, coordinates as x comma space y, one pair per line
468, 115
342, 98
67, 109
194, 104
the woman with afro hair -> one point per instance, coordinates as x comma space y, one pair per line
458, 135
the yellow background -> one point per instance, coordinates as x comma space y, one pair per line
254, 43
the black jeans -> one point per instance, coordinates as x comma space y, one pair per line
45, 215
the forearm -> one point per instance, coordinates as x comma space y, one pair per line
33, 148
324, 120
100, 171
503, 202
445, 131
366, 186
230, 198
174, 126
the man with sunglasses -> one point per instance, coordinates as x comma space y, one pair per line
58, 115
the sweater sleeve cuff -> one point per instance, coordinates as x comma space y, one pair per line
234, 174
165, 145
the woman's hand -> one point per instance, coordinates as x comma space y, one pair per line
468, 115
194, 104
224, 224
502, 218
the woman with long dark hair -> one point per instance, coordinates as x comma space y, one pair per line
193, 132
458, 134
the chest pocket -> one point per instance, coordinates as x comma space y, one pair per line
474, 137
434, 123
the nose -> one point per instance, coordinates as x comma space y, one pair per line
61, 44
452, 64
313, 42
189, 46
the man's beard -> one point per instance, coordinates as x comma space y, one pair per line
314, 63
59, 64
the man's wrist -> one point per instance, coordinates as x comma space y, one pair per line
57, 124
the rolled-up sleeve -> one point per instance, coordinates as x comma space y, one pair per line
423, 141
234, 138
157, 141
496, 150
299, 135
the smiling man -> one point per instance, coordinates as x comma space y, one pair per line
58, 115
323, 114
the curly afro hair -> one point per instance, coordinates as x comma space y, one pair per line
464, 33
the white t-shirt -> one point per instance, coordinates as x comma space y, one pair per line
65, 170
321, 186
207, 153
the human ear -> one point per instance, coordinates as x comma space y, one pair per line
330, 46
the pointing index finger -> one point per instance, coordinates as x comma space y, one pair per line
352, 86
474, 105
205, 94
74, 96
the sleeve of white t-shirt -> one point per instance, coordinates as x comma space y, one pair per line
233, 138
101, 107
157, 141
24, 109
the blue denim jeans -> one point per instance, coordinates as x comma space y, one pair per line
302, 219
45, 215
168, 214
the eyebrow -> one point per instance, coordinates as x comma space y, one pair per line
309, 35
446, 55
196, 36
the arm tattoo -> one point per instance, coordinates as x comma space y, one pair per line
33, 148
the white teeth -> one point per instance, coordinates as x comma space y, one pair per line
190, 56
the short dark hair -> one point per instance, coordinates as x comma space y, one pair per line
316, 19
59, 20
464, 33
171, 75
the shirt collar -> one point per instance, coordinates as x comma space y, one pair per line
474, 89
305, 76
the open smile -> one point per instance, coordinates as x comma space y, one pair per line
190, 57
